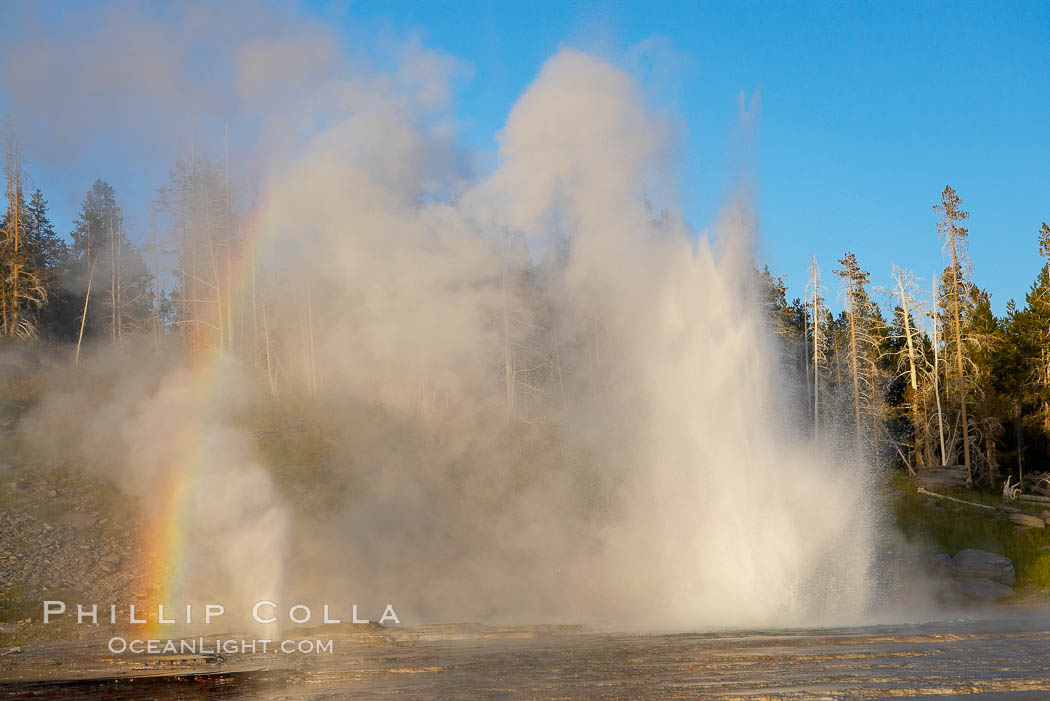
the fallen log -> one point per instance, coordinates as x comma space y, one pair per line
942, 477
961, 501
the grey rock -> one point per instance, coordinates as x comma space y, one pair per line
941, 562
937, 563
984, 589
947, 591
981, 564
1008, 509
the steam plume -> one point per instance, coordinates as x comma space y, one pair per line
545, 398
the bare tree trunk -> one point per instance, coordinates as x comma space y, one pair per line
508, 351
1046, 385
229, 243
311, 357
112, 283
854, 360
83, 317
959, 356
805, 348
875, 438
16, 273
271, 375
187, 308
817, 346
555, 350
989, 454
1020, 443
14, 233
255, 308
816, 367
219, 321
120, 303
875, 409
156, 281
229, 298
936, 377
927, 438
912, 371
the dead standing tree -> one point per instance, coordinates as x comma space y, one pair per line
99, 217
21, 289
862, 344
116, 323
197, 202
818, 335
936, 369
955, 235
907, 298
12, 253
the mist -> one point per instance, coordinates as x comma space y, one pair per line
530, 393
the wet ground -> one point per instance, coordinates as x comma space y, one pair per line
1002, 657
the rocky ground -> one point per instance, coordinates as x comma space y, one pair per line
990, 659
949, 522
69, 535
63, 535
972, 574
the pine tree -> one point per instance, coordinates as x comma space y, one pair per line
1017, 374
45, 250
1039, 331
1028, 331
99, 215
101, 247
985, 340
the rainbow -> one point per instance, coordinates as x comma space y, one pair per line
169, 559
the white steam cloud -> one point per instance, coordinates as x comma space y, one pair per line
635, 470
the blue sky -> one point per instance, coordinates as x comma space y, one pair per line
867, 111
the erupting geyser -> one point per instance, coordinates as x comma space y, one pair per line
547, 398
674, 494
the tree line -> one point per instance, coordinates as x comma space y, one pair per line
99, 284
943, 381
175, 284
